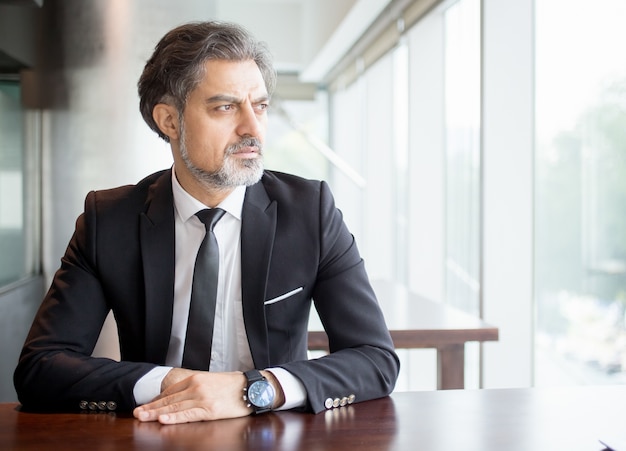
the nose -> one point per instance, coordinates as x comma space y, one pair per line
250, 123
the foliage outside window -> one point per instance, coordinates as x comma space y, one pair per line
580, 193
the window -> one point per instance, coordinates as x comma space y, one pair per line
12, 264
462, 154
580, 186
18, 223
295, 137
410, 123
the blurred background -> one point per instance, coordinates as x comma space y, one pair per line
477, 149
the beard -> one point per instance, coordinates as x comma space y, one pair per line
233, 172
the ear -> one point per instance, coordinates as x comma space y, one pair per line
166, 117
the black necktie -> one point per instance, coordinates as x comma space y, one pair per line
197, 353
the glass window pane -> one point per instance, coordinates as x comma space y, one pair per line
12, 236
462, 144
580, 192
426, 240
378, 154
296, 133
346, 117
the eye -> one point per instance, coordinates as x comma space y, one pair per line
227, 107
262, 106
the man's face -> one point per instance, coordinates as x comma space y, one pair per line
223, 126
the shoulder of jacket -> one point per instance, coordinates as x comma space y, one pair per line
273, 180
126, 194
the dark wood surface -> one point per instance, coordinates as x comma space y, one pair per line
416, 322
567, 419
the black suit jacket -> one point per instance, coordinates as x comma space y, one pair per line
121, 258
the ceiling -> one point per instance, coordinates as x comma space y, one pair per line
307, 37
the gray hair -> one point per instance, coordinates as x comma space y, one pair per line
177, 64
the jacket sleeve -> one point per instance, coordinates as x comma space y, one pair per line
362, 363
55, 370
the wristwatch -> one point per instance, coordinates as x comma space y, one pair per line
259, 394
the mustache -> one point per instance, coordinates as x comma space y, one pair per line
244, 142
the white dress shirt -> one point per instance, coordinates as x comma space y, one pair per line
230, 350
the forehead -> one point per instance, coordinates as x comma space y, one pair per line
232, 77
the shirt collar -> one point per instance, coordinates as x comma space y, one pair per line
187, 206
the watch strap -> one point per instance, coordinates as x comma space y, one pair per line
253, 376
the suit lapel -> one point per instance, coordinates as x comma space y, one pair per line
257, 240
158, 255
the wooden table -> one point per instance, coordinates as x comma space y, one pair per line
416, 322
568, 419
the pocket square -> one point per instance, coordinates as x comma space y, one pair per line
284, 296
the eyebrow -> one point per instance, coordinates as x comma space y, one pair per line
232, 99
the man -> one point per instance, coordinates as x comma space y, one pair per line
282, 243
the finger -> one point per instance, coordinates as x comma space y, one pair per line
153, 410
181, 391
184, 416
142, 414
177, 387
185, 412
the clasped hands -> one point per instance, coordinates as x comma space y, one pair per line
189, 395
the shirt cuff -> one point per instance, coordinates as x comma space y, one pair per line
149, 386
293, 388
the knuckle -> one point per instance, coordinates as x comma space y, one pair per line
174, 406
189, 415
196, 378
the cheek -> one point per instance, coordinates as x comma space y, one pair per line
206, 141
263, 123
203, 151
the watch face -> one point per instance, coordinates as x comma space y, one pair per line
261, 394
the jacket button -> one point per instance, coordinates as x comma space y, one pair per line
351, 399
111, 405
343, 401
93, 405
336, 402
102, 405
328, 403
83, 405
